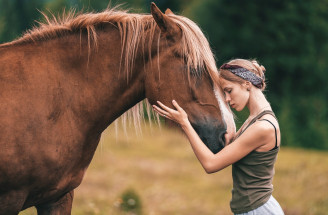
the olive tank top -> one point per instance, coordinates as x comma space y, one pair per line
252, 176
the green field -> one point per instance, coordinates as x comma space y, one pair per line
161, 168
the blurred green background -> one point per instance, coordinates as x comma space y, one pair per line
288, 37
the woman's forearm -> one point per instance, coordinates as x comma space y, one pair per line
204, 155
209, 161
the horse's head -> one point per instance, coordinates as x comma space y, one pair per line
182, 67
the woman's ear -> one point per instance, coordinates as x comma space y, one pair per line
247, 85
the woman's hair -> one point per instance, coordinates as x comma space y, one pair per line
251, 65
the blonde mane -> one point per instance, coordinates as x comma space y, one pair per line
134, 29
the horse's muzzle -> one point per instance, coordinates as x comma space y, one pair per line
212, 134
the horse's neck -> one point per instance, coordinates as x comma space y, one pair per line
101, 92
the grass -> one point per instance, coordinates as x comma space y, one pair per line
162, 169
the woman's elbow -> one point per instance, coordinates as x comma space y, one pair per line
210, 168
208, 171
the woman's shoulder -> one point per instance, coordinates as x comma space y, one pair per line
256, 135
268, 121
260, 128
269, 127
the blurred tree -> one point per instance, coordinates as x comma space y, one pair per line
56, 6
175, 6
16, 16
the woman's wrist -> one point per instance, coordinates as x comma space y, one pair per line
185, 124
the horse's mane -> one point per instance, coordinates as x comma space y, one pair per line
134, 28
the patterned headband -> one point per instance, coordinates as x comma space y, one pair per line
244, 74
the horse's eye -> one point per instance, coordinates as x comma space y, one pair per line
177, 54
195, 71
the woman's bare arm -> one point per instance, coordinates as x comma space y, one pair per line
254, 137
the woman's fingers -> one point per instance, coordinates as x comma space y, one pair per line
164, 107
160, 111
172, 114
176, 105
179, 109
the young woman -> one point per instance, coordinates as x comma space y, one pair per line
253, 151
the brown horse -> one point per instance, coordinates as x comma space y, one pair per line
64, 82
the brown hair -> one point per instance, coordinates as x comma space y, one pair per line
251, 65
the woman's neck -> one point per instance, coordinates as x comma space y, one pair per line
257, 103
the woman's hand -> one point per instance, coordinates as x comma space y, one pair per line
178, 115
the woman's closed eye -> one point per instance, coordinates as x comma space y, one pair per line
227, 92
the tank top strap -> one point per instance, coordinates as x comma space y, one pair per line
256, 118
264, 113
259, 116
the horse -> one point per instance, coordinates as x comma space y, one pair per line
66, 80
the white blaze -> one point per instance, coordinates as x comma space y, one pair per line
226, 113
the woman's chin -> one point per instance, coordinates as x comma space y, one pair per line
237, 108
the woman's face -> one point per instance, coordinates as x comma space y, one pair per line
235, 94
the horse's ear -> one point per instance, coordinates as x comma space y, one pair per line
167, 26
169, 12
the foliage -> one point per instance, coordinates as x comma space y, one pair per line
130, 202
16, 16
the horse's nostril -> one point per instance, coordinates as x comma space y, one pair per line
222, 139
